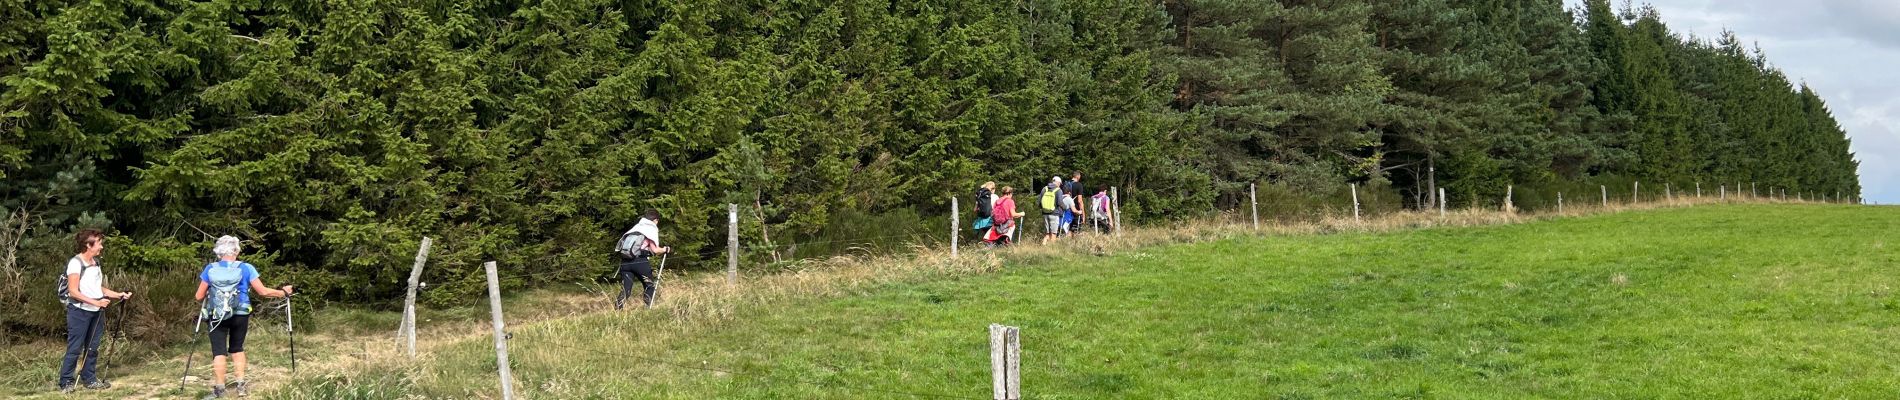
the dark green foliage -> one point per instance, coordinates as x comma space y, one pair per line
334, 135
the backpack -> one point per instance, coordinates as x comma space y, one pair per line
65, 295
221, 296
1100, 210
1049, 196
632, 245
1068, 202
984, 203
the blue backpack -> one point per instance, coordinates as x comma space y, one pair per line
221, 298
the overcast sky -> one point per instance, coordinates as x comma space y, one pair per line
1847, 50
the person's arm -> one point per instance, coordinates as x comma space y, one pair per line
258, 285
202, 286
116, 295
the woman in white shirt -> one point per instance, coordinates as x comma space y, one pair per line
85, 286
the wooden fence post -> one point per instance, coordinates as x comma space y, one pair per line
732, 244
1115, 201
1005, 362
1606, 194
1253, 196
1355, 202
1560, 202
1509, 191
1441, 202
501, 337
955, 228
408, 328
1635, 189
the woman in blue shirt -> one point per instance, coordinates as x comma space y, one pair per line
238, 279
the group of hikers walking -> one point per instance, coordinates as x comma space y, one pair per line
1064, 207
225, 285
224, 290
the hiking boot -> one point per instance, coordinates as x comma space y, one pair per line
243, 389
99, 385
67, 388
216, 392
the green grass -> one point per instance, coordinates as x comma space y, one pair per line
1749, 301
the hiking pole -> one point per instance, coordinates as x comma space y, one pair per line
197, 322
658, 274
290, 325
112, 341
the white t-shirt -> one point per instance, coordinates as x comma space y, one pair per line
91, 281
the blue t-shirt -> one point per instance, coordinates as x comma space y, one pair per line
247, 274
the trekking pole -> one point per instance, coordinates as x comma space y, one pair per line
197, 322
659, 274
290, 325
112, 341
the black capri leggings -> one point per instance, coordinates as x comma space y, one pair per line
228, 336
640, 269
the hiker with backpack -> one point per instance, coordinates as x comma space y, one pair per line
1102, 210
1051, 201
225, 288
1004, 219
985, 207
82, 290
636, 247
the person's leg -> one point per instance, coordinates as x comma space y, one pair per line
95, 325
75, 344
644, 269
220, 348
240, 327
626, 285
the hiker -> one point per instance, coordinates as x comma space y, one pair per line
1102, 210
985, 207
1073, 189
1050, 200
636, 248
84, 294
1004, 219
225, 288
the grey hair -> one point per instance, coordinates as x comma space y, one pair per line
227, 246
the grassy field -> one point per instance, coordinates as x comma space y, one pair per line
1715, 301
1751, 301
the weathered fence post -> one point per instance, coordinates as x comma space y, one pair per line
1253, 196
1560, 202
1724, 197
1441, 202
1508, 193
1005, 362
1606, 194
955, 221
408, 329
1115, 201
1355, 202
501, 337
732, 244
1698, 189
1635, 189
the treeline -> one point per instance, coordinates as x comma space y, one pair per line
334, 135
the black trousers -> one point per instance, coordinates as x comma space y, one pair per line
638, 268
